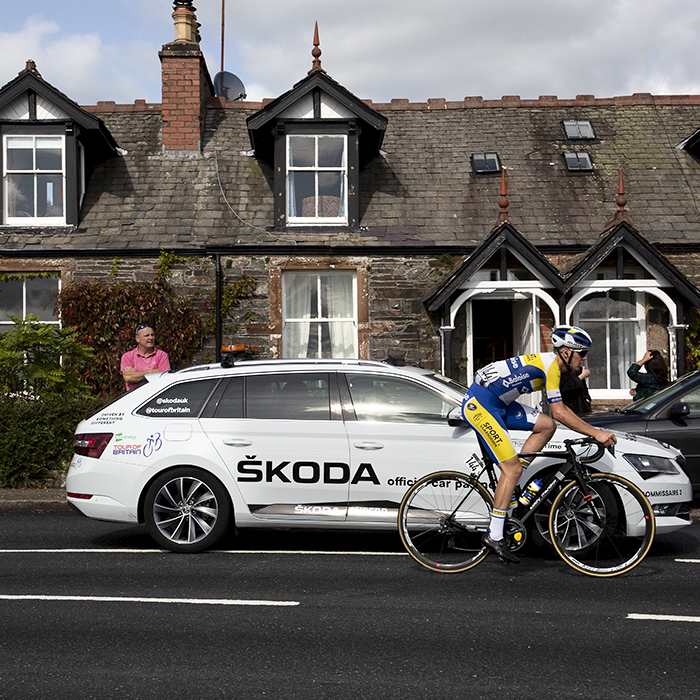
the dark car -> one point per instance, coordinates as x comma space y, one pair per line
672, 415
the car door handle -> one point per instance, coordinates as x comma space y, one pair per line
368, 445
237, 442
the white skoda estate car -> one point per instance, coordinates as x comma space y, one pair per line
300, 444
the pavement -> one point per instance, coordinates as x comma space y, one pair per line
42, 499
33, 500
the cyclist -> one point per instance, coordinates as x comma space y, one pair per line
491, 408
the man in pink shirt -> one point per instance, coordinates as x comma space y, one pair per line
144, 358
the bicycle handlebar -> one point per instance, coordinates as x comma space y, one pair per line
583, 459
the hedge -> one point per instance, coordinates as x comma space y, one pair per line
37, 435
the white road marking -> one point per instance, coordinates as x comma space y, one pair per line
688, 561
223, 551
665, 618
170, 601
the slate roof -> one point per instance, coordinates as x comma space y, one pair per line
420, 192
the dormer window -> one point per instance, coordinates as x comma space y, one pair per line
578, 161
317, 137
317, 176
33, 180
48, 147
578, 130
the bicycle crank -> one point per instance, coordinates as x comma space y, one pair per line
515, 534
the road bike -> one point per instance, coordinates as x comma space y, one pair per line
600, 524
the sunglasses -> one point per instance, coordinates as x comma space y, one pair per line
582, 354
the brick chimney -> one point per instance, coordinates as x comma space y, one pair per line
186, 85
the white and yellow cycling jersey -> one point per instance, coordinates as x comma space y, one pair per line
509, 379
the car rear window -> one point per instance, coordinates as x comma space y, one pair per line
184, 400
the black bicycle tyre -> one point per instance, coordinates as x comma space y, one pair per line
612, 550
438, 532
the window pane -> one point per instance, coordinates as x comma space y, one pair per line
597, 359
180, 401
336, 295
49, 195
331, 151
330, 195
302, 151
41, 297
571, 161
299, 341
302, 198
571, 130
396, 400
586, 130
491, 162
49, 153
20, 195
11, 299
593, 306
231, 403
622, 304
20, 153
288, 397
585, 162
622, 351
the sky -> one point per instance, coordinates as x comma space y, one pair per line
380, 50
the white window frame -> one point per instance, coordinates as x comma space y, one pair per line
316, 169
5, 322
288, 321
576, 130
640, 336
33, 220
582, 158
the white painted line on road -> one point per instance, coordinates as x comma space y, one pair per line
688, 561
222, 551
170, 601
665, 618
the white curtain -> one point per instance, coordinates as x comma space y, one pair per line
340, 305
299, 288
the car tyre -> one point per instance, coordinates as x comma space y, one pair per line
187, 510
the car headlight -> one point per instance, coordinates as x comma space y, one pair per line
648, 465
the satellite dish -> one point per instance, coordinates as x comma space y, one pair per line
228, 86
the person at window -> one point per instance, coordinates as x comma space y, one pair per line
574, 390
491, 408
144, 358
650, 381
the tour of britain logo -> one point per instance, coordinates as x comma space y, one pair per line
471, 406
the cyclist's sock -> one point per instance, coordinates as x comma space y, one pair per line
525, 462
498, 518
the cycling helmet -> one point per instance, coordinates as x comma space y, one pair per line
571, 337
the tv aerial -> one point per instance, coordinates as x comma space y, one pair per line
227, 85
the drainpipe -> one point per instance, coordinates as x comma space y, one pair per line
219, 294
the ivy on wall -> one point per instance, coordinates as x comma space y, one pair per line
106, 314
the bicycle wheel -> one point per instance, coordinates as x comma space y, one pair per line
441, 520
606, 534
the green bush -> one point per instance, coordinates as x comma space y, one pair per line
37, 435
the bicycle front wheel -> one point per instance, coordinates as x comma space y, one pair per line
605, 533
441, 520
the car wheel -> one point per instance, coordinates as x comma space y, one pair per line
187, 510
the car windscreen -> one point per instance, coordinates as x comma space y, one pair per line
649, 404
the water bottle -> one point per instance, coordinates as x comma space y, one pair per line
530, 492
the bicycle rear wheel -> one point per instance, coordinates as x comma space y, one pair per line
441, 520
606, 534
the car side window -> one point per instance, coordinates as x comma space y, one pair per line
288, 396
693, 400
184, 400
392, 400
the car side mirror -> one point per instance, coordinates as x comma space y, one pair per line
454, 418
679, 410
